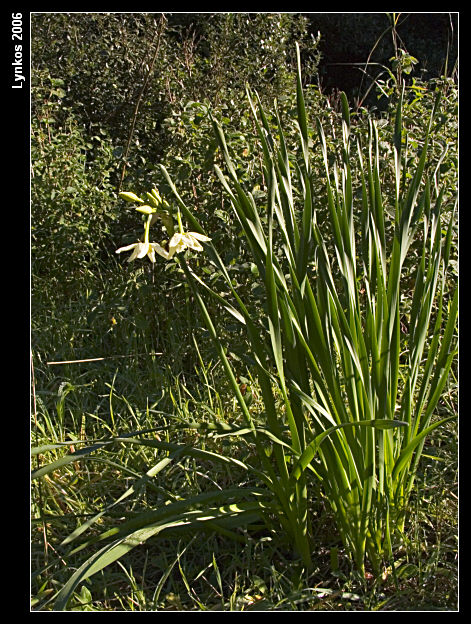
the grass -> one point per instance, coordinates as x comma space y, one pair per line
84, 400
257, 574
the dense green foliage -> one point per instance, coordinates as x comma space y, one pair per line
114, 96
122, 92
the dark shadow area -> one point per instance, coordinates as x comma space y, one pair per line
349, 40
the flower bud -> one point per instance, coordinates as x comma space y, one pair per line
152, 200
131, 197
156, 194
145, 209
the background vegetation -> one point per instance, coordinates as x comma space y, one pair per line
113, 96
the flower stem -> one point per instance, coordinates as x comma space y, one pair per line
147, 228
180, 224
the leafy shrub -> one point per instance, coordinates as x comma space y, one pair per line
73, 202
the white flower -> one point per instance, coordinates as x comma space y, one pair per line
181, 240
178, 243
144, 249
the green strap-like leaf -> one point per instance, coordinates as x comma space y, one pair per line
406, 453
67, 459
191, 520
311, 450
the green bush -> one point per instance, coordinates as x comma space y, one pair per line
73, 202
128, 72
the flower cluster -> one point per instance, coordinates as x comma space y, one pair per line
179, 241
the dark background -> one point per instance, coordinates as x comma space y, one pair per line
350, 38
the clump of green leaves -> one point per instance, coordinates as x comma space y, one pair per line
334, 347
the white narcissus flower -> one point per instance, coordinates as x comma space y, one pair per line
178, 243
144, 249
181, 240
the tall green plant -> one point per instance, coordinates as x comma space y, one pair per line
331, 341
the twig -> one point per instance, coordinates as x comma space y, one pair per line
141, 93
98, 359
